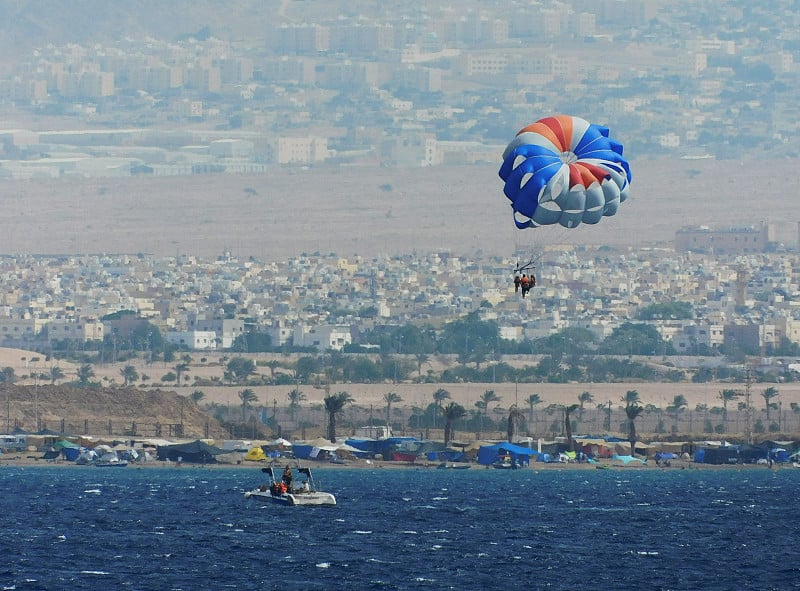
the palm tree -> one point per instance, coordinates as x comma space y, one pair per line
584, 398
606, 408
55, 374
452, 412
631, 397
422, 358
295, 397
85, 373
702, 408
197, 396
675, 407
390, 398
438, 397
515, 417
247, 396
180, 369
239, 369
273, 364
7, 375
532, 401
129, 375
768, 394
334, 406
632, 411
568, 410
486, 398
727, 396
416, 416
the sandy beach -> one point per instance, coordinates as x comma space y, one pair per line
26, 460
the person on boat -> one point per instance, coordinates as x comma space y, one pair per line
287, 478
517, 281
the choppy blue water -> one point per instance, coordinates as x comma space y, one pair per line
192, 529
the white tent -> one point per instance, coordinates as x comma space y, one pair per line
322, 444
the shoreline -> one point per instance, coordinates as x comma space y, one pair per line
604, 464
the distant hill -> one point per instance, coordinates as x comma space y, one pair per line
88, 411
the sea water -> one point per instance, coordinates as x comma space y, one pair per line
478, 529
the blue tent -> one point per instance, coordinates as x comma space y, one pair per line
385, 447
778, 454
446, 455
717, 455
489, 454
196, 452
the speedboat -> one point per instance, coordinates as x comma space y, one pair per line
452, 466
111, 463
277, 491
506, 465
110, 460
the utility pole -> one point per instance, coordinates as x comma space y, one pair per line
748, 432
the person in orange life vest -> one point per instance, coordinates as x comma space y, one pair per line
525, 284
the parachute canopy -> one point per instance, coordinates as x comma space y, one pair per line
564, 170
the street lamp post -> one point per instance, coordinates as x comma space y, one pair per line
36, 400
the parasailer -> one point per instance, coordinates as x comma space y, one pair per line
563, 170
527, 280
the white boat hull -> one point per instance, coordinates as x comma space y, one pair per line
300, 498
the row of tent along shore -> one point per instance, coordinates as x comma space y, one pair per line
404, 450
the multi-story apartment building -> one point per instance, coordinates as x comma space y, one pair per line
737, 240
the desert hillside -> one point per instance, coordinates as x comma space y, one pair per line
146, 407
105, 412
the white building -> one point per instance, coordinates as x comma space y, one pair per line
279, 333
227, 330
323, 337
195, 340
